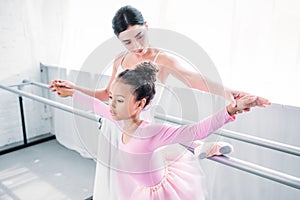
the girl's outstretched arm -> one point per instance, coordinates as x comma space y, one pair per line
66, 88
92, 104
162, 134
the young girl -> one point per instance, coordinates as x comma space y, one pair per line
138, 170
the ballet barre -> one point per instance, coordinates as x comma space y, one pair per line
258, 170
278, 146
240, 136
264, 172
222, 132
52, 103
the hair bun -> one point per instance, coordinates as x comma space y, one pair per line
141, 79
148, 71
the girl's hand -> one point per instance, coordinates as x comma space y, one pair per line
64, 91
233, 96
54, 84
244, 103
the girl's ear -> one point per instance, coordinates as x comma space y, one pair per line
141, 103
146, 25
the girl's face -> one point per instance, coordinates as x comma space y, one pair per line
135, 39
122, 102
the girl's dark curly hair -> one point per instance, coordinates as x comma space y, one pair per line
142, 79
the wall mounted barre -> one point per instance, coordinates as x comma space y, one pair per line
229, 161
52, 103
278, 146
240, 137
258, 170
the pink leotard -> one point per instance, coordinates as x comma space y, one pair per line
149, 137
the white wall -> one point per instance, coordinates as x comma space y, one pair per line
18, 61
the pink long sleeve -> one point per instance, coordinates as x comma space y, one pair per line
92, 104
158, 135
161, 135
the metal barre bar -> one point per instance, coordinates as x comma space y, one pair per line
19, 85
42, 85
259, 171
241, 137
260, 141
225, 133
52, 103
232, 162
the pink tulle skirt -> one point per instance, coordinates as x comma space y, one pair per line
183, 180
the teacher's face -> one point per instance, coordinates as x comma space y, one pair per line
135, 39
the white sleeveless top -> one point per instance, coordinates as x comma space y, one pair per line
121, 69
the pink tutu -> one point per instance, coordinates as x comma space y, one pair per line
182, 180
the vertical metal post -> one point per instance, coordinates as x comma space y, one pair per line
23, 120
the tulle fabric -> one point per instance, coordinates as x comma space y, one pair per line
182, 180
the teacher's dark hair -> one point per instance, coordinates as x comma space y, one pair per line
126, 16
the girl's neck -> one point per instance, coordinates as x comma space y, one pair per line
130, 125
